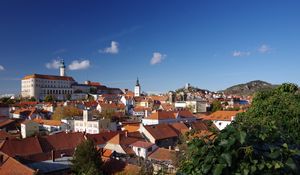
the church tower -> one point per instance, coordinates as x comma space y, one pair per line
62, 68
137, 88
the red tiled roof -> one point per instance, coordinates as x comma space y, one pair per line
180, 128
107, 152
161, 131
222, 115
102, 137
141, 109
91, 104
167, 107
94, 83
6, 122
124, 141
48, 122
131, 128
162, 154
113, 166
48, 77
200, 125
11, 166
186, 114
4, 135
142, 144
27, 146
161, 115
61, 141
159, 98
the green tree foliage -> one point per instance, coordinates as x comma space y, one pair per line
216, 106
87, 159
66, 112
263, 140
49, 98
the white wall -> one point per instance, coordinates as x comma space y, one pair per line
221, 124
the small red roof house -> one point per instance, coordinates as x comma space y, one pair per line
222, 118
121, 142
142, 148
102, 138
159, 117
163, 135
163, 158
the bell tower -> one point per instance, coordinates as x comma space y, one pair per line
62, 68
137, 88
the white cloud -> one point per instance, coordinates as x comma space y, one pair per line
1, 68
264, 48
240, 53
53, 65
113, 49
79, 65
157, 58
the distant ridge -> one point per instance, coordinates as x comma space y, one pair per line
249, 88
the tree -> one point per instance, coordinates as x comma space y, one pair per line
66, 112
32, 99
107, 114
87, 159
49, 98
263, 140
216, 106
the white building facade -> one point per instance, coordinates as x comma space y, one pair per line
39, 86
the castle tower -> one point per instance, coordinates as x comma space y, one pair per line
62, 68
137, 88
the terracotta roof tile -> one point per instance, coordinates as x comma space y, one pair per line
102, 137
61, 141
6, 122
131, 128
48, 122
27, 146
180, 128
222, 115
162, 154
48, 77
11, 166
142, 144
161, 131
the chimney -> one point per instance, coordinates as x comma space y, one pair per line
126, 133
53, 155
170, 148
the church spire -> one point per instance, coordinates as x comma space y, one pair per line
137, 88
62, 68
137, 82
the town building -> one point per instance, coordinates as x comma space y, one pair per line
92, 125
29, 128
222, 118
39, 86
159, 117
143, 149
137, 89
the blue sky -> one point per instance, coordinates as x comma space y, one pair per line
210, 44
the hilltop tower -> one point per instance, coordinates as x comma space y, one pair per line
137, 88
62, 68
